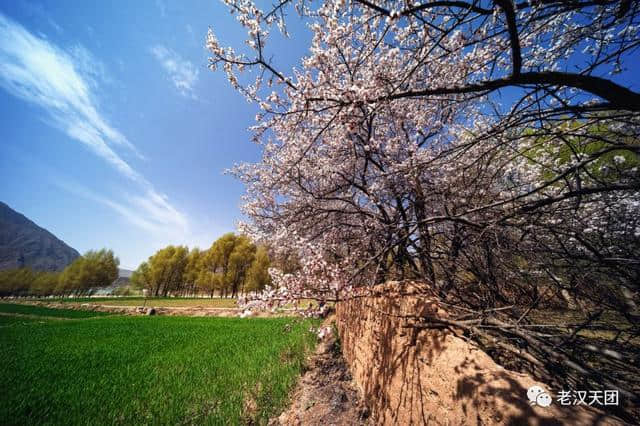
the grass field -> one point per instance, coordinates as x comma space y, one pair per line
6, 320
215, 302
12, 308
149, 370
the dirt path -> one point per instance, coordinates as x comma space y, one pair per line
325, 395
138, 310
192, 311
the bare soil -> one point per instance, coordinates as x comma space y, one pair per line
326, 393
193, 311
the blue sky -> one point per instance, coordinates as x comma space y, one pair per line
114, 132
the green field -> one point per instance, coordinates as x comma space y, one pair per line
13, 308
6, 320
149, 370
215, 302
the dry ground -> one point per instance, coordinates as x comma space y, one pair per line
326, 393
176, 302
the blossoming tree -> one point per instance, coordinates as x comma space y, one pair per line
488, 148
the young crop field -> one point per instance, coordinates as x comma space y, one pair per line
141, 370
6, 320
174, 302
19, 310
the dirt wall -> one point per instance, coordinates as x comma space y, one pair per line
411, 376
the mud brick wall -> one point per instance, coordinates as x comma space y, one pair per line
411, 376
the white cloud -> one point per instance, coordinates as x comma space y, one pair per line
62, 83
150, 210
182, 72
158, 210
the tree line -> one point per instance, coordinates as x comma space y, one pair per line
95, 269
231, 266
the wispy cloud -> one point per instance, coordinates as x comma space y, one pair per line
61, 82
149, 210
64, 84
37, 11
182, 72
162, 7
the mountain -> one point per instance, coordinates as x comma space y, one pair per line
123, 280
23, 243
124, 273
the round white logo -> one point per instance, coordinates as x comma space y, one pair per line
538, 396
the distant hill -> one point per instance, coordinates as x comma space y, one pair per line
23, 243
123, 280
124, 273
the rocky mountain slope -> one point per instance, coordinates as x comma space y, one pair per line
23, 243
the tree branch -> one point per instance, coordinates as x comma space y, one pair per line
618, 96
